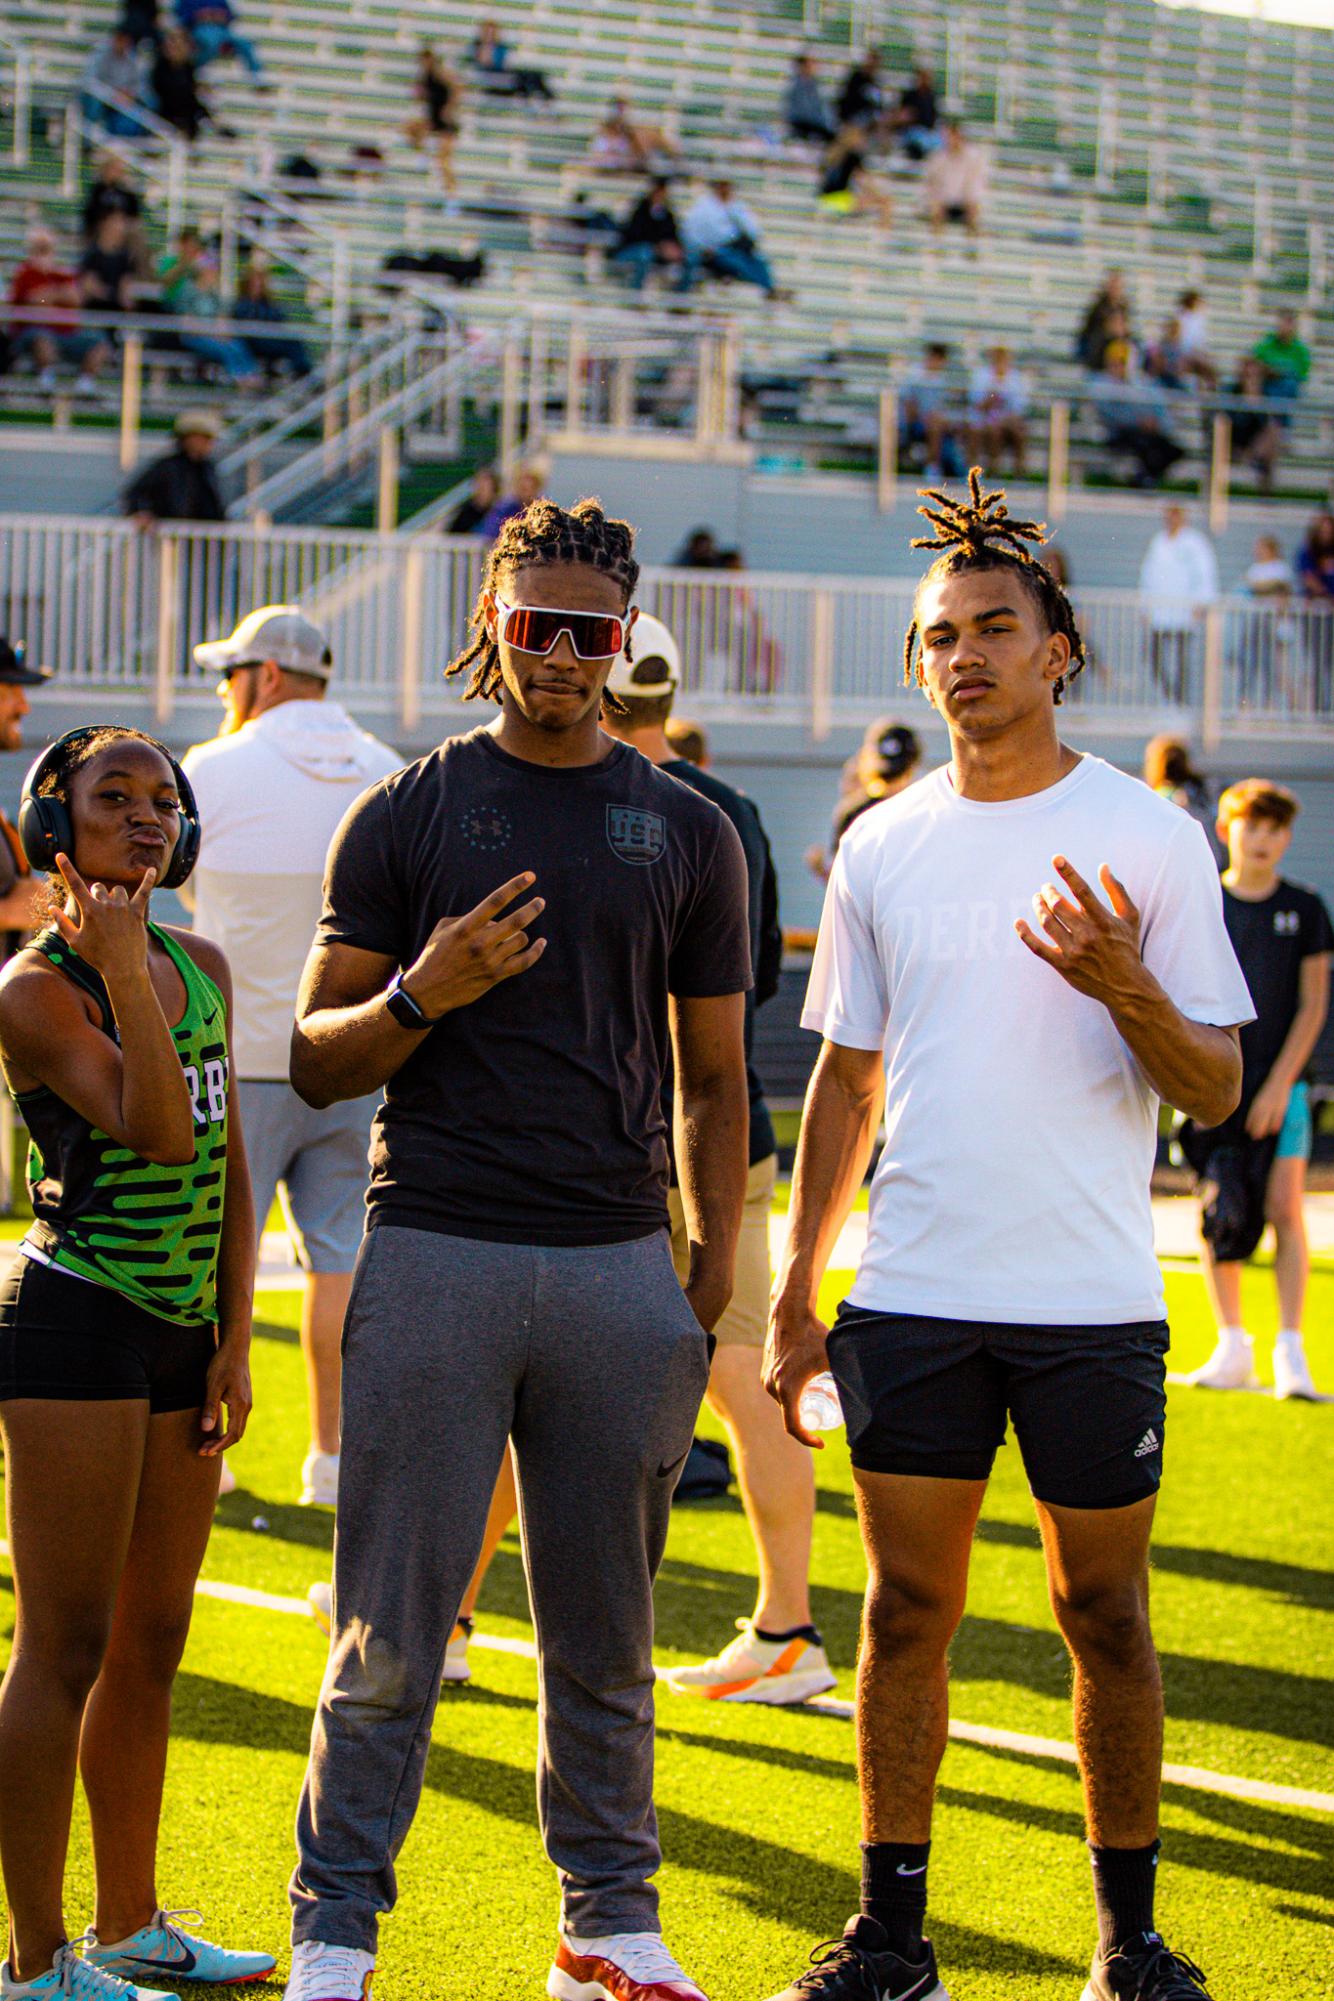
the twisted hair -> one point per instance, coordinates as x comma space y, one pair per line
545, 533
55, 783
980, 534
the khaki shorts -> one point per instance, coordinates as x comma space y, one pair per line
743, 1325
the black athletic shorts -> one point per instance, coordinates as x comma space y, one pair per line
62, 1336
931, 1397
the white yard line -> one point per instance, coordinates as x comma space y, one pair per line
1227, 1783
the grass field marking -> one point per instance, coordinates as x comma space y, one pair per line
985, 1735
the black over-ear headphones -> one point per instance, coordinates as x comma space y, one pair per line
45, 827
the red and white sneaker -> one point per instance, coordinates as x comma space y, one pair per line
628, 1966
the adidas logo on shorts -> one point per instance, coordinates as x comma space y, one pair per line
1147, 1444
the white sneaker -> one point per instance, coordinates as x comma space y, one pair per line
1292, 1374
73, 1978
320, 1600
1230, 1367
319, 1480
755, 1670
456, 1666
627, 1966
329, 1973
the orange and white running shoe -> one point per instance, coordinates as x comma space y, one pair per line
756, 1670
628, 1966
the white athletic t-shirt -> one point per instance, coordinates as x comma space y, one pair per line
1014, 1182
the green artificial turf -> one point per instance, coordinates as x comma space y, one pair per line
758, 1807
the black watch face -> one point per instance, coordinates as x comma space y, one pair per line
405, 1009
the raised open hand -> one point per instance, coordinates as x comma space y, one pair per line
109, 929
1093, 945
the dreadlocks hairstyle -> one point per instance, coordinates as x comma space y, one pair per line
980, 534
545, 533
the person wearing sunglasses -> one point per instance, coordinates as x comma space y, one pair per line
518, 931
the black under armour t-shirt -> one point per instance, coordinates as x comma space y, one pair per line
534, 1115
1270, 939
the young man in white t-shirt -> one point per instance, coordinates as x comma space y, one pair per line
1022, 1026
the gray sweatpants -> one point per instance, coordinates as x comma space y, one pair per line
593, 1363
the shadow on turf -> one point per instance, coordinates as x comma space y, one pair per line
1289, 1581
1254, 1844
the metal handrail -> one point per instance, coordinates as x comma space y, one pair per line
401, 350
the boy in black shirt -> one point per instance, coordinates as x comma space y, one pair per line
511, 928
1282, 936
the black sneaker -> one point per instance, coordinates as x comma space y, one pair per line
860, 1967
1145, 1971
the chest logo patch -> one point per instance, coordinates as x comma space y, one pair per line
488, 829
1287, 923
635, 836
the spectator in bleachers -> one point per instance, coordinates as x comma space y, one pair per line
1265, 645
1094, 334
177, 268
490, 57
439, 94
1315, 574
623, 144
41, 280
258, 306
650, 240
1133, 416
139, 18
1257, 439
918, 115
194, 296
106, 269
1165, 358
861, 101
724, 235
845, 184
1178, 581
997, 410
930, 418
482, 495
805, 112
955, 182
1284, 357
528, 483
175, 86
211, 26
1193, 334
181, 485
114, 68
112, 193
699, 551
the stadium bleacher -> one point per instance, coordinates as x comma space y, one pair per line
1197, 149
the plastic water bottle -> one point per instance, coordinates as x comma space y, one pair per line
820, 1409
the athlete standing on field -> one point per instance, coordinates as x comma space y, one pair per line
509, 926
1009, 1268
124, 1333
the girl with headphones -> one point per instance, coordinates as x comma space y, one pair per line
124, 1357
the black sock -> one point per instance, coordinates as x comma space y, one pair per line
807, 1633
894, 1891
1123, 1881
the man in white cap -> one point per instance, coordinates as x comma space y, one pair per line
181, 485
272, 787
779, 1656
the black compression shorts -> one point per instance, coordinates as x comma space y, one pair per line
65, 1337
931, 1397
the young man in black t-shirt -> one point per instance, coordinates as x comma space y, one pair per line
512, 926
1282, 937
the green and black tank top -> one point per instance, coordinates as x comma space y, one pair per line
149, 1231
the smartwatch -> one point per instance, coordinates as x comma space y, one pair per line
404, 1008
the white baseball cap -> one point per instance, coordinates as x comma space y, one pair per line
652, 646
277, 632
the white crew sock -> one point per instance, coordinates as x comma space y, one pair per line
1232, 1337
1291, 1335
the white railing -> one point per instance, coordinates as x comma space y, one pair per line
15, 56
116, 612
